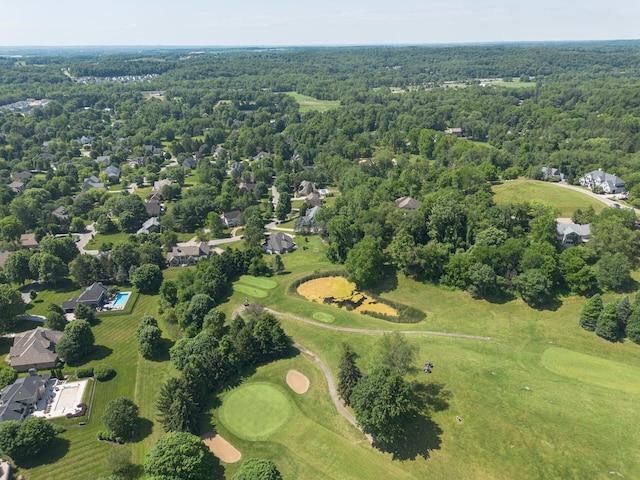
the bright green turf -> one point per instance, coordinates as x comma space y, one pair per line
309, 103
324, 317
255, 411
258, 282
567, 201
248, 290
591, 369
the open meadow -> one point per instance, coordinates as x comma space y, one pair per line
567, 201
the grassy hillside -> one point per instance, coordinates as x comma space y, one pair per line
566, 200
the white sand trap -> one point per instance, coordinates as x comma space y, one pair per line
298, 382
221, 448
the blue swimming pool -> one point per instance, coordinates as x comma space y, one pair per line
121, 300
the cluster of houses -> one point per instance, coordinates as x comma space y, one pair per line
610, 184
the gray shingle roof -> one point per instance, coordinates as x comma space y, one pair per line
34, 347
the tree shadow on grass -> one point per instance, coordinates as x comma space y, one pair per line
433, 394
53, 453
551, 305
165, 346
144, 429
388, 283
99, 352
421, 437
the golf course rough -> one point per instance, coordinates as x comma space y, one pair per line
255, 411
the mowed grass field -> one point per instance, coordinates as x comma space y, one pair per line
567, 201
541, 399
309, 103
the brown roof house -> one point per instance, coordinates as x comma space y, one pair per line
279, 243
28, 240
188, 255
34, 349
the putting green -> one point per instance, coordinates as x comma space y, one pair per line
258, 282
324, 317
591, 369
254, 292
255, 411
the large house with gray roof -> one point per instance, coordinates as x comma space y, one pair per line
609, 183
93, 296
19, 399
573, 234
279, 243
34, 349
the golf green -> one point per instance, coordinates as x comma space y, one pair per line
324, 317
254, 292
258, 282
255, 411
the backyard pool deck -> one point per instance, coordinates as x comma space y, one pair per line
61, 398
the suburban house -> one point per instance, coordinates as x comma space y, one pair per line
153, 207
112, 172
3, 257
103, 159
261, 155
61, 213
156, 191
16, 186
455, 131
19, 399
188, 255
189, 162
92, 182
136, 162
572, 234
28, 240
152, 149
313, 199
237, 168
152, 225
305, 188
549, 173
230, 219
23, 175
408, 203
609, 183
34, 349
279, 243
307, 224
93, 296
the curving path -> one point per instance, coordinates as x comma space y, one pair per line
601, 198
366, 330
332, 389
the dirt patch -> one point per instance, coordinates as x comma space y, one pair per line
298, 382
221, 448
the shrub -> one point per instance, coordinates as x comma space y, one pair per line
84, 372
7, 376
109, 437
103, 372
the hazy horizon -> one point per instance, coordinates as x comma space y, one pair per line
286, 23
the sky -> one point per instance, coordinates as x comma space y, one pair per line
304, 22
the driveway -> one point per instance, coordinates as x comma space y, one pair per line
85, 237
601, 198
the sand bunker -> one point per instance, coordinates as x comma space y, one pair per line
297, 381
221, 448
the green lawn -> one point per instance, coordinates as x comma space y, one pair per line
309, 103
566, 200
101, 238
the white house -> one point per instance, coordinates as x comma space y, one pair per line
598, 178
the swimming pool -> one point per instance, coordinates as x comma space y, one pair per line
121, 300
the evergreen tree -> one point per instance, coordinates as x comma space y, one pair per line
591, 312
623, 312
607, 326
633, 325
348, 374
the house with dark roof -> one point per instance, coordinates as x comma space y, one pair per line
153, 207
189, 162
230, 219
307, 223
92, 182
408, 203
305, 188
279, 242
103, 159
23, 175
61, 213
93, 296
608, 182
34, 349
188, 255
237, 168
19, 399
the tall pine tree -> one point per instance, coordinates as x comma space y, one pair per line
591, 312
349, 374
607, 326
